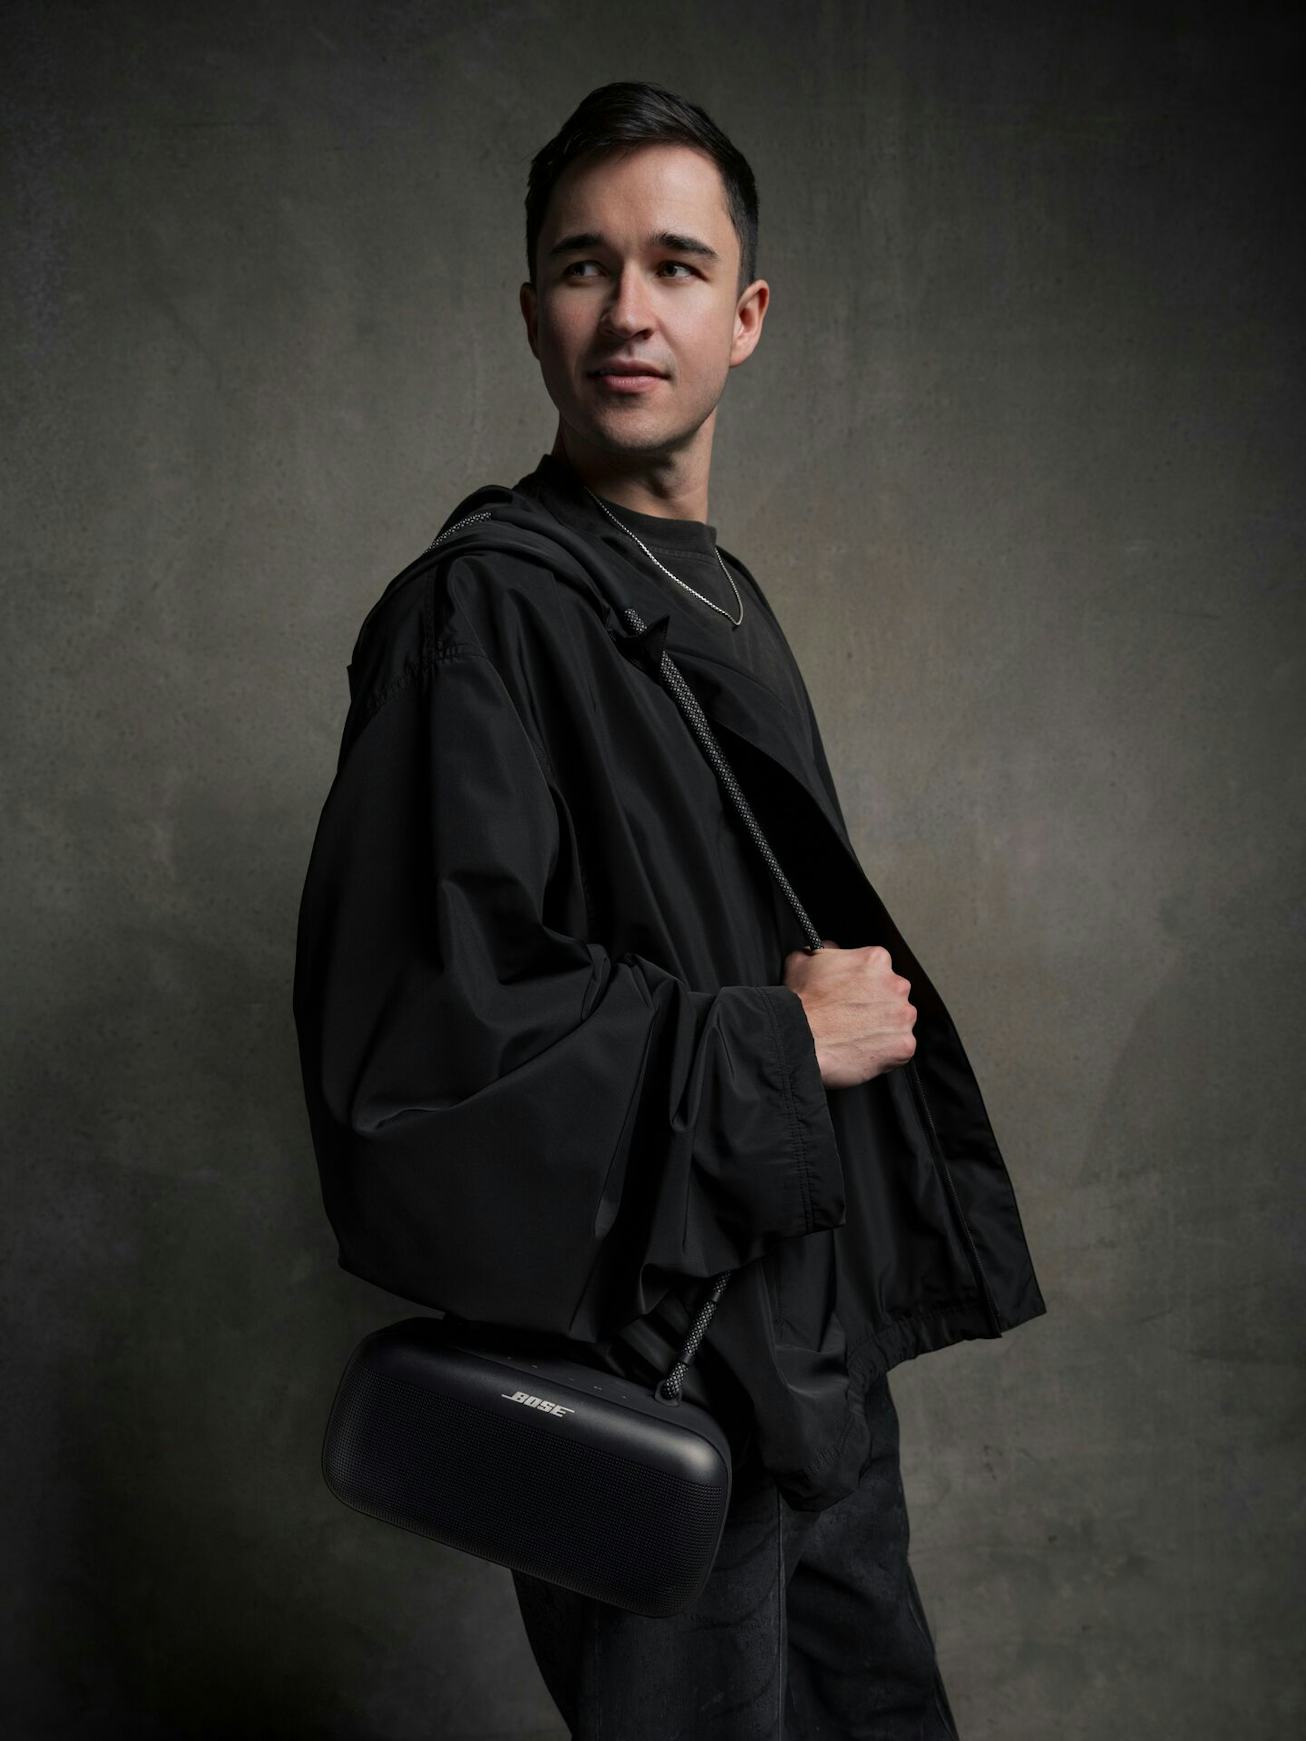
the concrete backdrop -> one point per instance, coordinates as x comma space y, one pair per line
1018, 462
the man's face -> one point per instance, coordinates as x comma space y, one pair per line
616, 281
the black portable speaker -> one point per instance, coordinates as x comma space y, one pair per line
534, 1462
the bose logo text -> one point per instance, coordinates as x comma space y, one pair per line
537, 1402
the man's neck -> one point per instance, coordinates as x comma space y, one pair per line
672, 488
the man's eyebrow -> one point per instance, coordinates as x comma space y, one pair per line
670, 239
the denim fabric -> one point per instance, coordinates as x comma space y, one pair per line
810, 1628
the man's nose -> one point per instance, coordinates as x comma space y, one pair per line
628, 308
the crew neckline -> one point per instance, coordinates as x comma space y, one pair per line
683, 537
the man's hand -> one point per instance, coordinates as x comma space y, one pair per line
857, 1009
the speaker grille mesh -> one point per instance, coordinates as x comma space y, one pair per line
519, 1494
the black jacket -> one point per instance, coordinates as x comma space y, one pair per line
554, 1079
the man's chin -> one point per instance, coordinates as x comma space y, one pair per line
622, 434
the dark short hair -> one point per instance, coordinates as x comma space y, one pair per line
615, 118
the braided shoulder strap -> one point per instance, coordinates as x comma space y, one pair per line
669, 1388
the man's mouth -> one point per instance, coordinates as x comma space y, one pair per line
627, 377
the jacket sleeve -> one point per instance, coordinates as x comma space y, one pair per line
510, 1123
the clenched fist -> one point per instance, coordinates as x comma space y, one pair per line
857, 1009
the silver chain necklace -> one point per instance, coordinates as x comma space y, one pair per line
662, 565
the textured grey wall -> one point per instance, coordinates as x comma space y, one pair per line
1018, 462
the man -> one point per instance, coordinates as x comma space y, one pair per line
569, 1052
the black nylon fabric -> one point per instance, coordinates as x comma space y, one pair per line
554, 1080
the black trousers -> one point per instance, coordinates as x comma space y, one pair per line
810, 1628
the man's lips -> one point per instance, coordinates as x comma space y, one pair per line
626, 378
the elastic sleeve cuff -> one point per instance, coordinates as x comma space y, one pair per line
816, 1153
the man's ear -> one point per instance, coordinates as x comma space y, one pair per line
749, 316
530, 314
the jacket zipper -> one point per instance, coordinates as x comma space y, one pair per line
941, 1168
